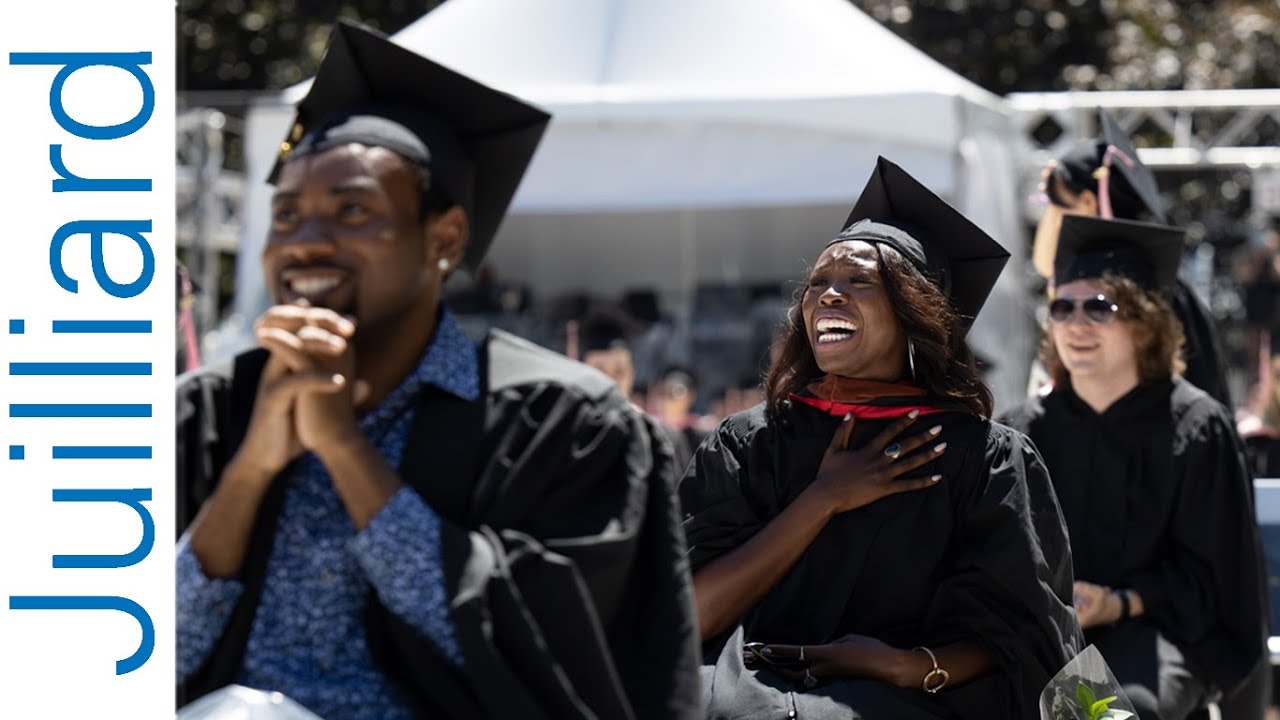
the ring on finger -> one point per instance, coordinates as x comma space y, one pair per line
801, 653
893, 451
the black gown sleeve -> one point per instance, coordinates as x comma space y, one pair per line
1011, 586
212, 406
571, 597
197, 442
1206, 593
721, 509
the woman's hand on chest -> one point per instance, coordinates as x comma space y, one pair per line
848, 479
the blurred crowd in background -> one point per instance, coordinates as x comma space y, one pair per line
692, 365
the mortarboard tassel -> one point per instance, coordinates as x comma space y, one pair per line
1103, 176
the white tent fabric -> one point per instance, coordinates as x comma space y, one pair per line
629, 50
702, 103
693, 141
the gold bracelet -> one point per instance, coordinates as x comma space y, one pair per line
941, 675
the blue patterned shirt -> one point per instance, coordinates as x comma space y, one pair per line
308, 637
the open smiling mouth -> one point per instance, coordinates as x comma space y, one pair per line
315, 285
833, 330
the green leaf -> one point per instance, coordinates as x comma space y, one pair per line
1085, 697
1099, 708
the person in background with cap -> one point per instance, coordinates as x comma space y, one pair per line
604, 341
382, 519
867, 543
672, 398
1150, 475
1104, 178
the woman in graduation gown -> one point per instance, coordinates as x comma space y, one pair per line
1150, 475
866, 544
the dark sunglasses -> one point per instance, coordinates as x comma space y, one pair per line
1098, 309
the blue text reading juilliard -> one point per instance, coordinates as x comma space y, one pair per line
67, 181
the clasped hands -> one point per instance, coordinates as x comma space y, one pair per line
308, 394
1095, 605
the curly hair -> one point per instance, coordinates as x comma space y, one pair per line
1157, 332
944, 364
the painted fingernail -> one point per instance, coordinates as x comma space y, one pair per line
766, 651
338, 379
939, 447
847, 416
935, 478
913, 414
935, 429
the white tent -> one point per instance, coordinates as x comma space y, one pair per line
702, 141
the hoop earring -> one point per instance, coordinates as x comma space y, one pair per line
911, 357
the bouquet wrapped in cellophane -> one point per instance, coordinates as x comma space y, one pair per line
236, 702
1085, 689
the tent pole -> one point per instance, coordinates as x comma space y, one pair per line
688, 257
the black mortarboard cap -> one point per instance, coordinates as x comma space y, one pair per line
1130, 186
1146, 253
472, 141
896, 210
679, 374
606, 328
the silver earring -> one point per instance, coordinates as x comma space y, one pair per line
443, 264
911, 357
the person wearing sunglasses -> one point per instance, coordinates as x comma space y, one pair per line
866, 543
1150, 475
1103, 178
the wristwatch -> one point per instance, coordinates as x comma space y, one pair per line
1124, 603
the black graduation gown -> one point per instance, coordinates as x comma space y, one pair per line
982, 557
1157, 498
564, 559
1202, 350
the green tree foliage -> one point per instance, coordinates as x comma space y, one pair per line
1047, 45
270, 44
1003, 45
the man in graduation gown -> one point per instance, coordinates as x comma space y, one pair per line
1150, 475
382, 519
1104, 178
867, 545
